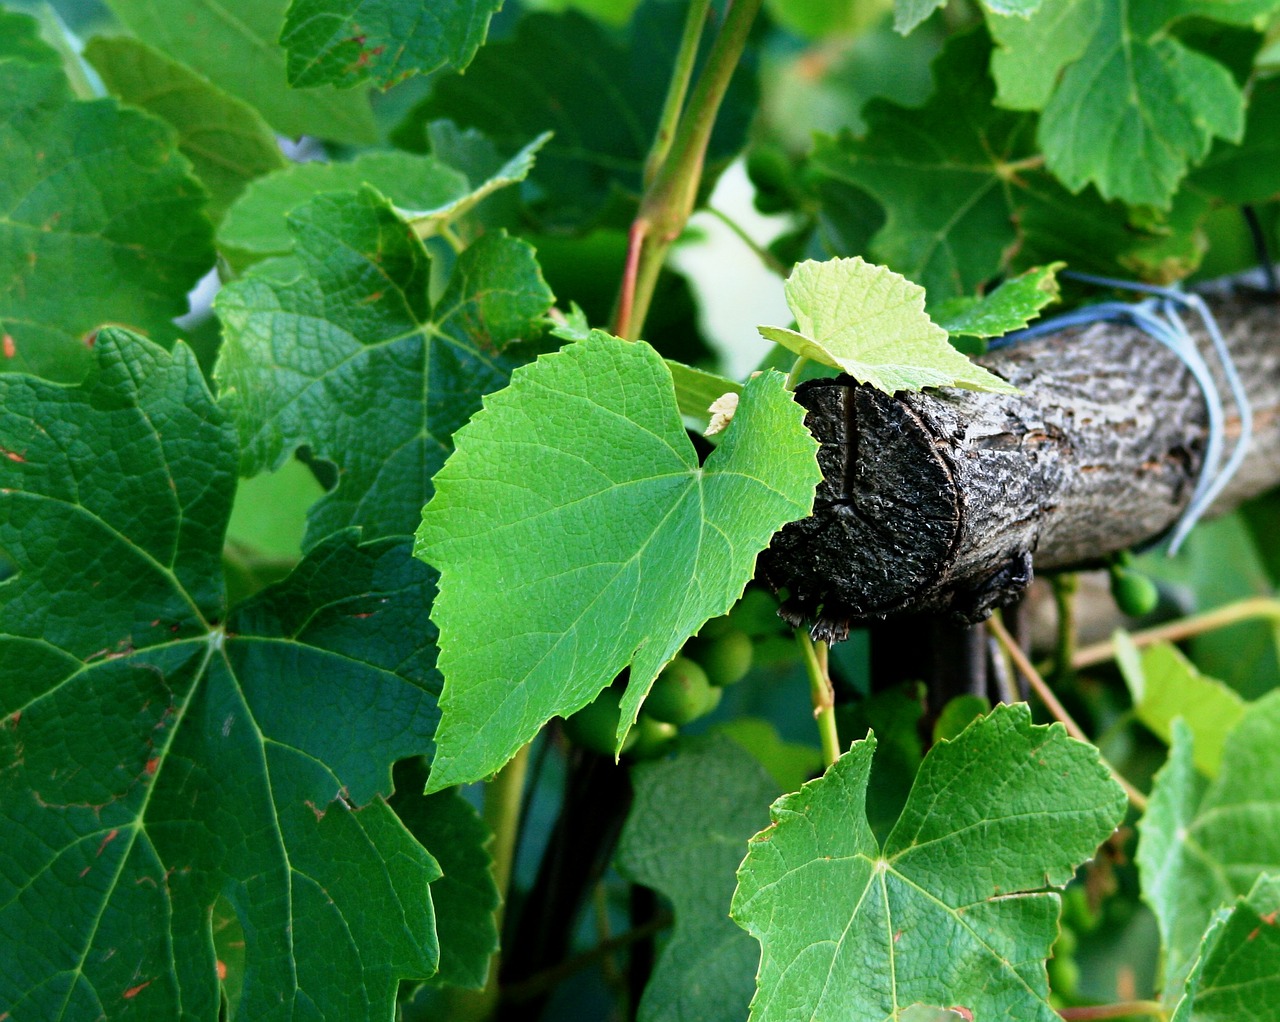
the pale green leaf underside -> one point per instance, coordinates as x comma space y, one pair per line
870, 322
952, 911
1011, 306
576, 534
1205, 843
1165, 685
1030, 52
345, 42
686, 832
234, 44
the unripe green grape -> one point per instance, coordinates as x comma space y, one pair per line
727, 658
595, 726
1135, 594
652, 737
682, 693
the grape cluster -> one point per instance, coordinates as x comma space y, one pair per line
688, 688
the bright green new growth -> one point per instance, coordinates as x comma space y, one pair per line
870, 322
1011, 306
953, 910
220, 757
97, 198
685, 835
576, 534
1205, 843
346, 42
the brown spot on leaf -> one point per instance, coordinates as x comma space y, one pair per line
10, 347
133, 992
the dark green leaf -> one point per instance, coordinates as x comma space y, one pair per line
233, 44
340, 348
97, 198
685, 835
161, 761
20, 40
465, 897
226, 141
576, 534
346, 42
953, 909
1250, 171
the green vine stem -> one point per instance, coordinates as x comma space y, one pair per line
1252, 609
502, 807
669, 199
1065, 587
1125, 1009
1059, 712
767, 258
824, 696
681, 76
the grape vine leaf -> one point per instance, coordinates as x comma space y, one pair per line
943, 173
160, 757
341, 349
20, 39
1236, 975
576, 534
233, 43
1138, 108
870, 322
685, 834
908, 14
996, 820
96, 195
346, 42
1204, 843
601, 95
1011, 306
1165, 685
465, 897
790, 764
1248, 172
429, 191
1031, 50
225, 139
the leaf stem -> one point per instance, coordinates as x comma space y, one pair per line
824, 696
1184, 628
451, 237
1065, 587
1123, 1009
669, 199
793, 374
681, 76
1056, 708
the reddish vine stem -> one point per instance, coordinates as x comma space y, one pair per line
1059, 712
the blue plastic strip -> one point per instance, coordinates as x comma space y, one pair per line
1159, 318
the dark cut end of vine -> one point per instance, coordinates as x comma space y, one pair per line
886, 522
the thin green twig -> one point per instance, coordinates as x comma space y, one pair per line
824, 697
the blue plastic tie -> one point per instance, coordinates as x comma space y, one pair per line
1159, 318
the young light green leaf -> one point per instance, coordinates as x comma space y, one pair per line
341, 349
466, 897
1011, 306
907, 14
1237, 973
870, 322
161, 757
953, 910
790, 764
1165, 685
96, 198
697, 390
225, 139
256, 227
346, 42
577, 535
1032, 51
684, 837
1203, 844
233, 44
1157, 103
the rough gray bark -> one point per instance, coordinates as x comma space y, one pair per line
940, 501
